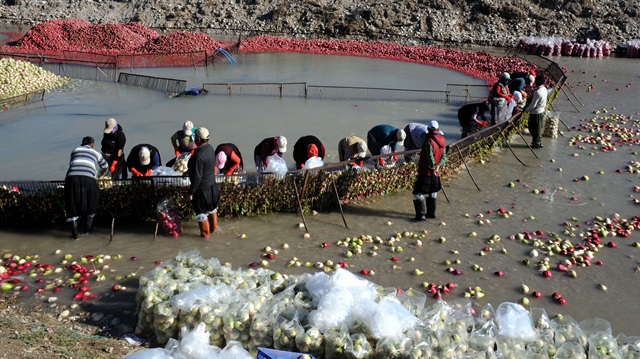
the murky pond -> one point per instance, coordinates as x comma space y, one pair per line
57, 125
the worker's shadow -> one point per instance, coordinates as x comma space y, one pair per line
374, 212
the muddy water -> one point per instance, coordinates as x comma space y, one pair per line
603, 195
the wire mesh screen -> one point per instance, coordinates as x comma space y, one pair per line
22, 99
155, 83
196, 58
371, 93
88, 71
280, 89
467, 93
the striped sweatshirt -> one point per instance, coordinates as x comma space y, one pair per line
85, 161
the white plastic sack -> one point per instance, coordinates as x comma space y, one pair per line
194, 344
313, 162
155, 353
334, 309
514, 322
164, 171
276, 164
390, 319
234, 350
206, 294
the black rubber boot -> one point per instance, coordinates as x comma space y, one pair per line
419, 206
431, 207
88, 225
74, 229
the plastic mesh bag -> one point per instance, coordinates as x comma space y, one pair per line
180, 166
168, 218
551, 121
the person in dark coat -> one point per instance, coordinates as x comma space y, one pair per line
266, 148
80, 187
473, 114
385, 138
228, 159
433, 156
113, 142
302, 150
143, 159
203, 191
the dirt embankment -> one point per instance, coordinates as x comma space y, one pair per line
483, 22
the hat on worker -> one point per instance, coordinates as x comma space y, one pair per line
282, 144
531, 79
400, 136
145, 156
109, 125
517, 95
312, 151
202, 133
433, 125
187, 128
221, 160
506, 76
361, 149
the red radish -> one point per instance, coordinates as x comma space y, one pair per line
547, 274
451, 285
457, 272
562, 268
325, 244
24, 287
556, 295
134, 258
562, 301
537, 294
611, 244
158, 262
84, 288
270, 255
499, 273
364, 272
395, 259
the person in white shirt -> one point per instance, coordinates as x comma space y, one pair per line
536, 112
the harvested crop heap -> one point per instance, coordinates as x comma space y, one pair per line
344, 316
80, 35
21, 77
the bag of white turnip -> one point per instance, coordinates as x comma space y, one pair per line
509, 347
310, 341
180, 166
593, 326
570, 350
335, 342
568, 331
628, 347
551, 121
237, 321
358, 347
234, 350
602, 345
422, 334
483, 338
486, 314
413, 300
514, 322
165, 321
148, 297
262, 323
398, 347
285, 332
